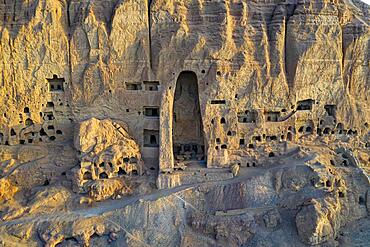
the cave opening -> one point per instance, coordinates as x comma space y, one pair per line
188, 140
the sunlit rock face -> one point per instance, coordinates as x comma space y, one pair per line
184, 123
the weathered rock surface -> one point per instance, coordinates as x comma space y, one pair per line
184, 123
106, 151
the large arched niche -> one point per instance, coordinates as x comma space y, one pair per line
181, 130
187, 130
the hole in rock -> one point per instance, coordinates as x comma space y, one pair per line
103, 175
305, 105
188, 129
361, 200
289, 136
330, 110
42, 132
249, 116
151, 138
133, 86
272, 116
56, 84
28, 122
218, 102
257, 138
151, 111
327, 131
87, 176
121, 172
151, 85
242, 142
319, 131
231, 133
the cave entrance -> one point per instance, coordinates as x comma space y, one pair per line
188, 140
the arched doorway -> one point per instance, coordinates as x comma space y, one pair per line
187, 135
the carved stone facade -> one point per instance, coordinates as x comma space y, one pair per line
200, 122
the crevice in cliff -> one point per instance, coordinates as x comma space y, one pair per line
69, 43
290, 9
150, 35
14, 11
68, 17
343, 50
3, 79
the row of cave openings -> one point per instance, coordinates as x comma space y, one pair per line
47, 132
188, 136
138, 86
105, 170
251, 116
288, 135
44, 135
151, 137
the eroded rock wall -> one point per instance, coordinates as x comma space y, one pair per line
273, 76
265, 55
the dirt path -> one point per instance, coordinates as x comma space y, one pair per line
100, 208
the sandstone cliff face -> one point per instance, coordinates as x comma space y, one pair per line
105, 151
254, 55
89, 87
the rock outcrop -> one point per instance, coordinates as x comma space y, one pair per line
184, 123
106, 151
